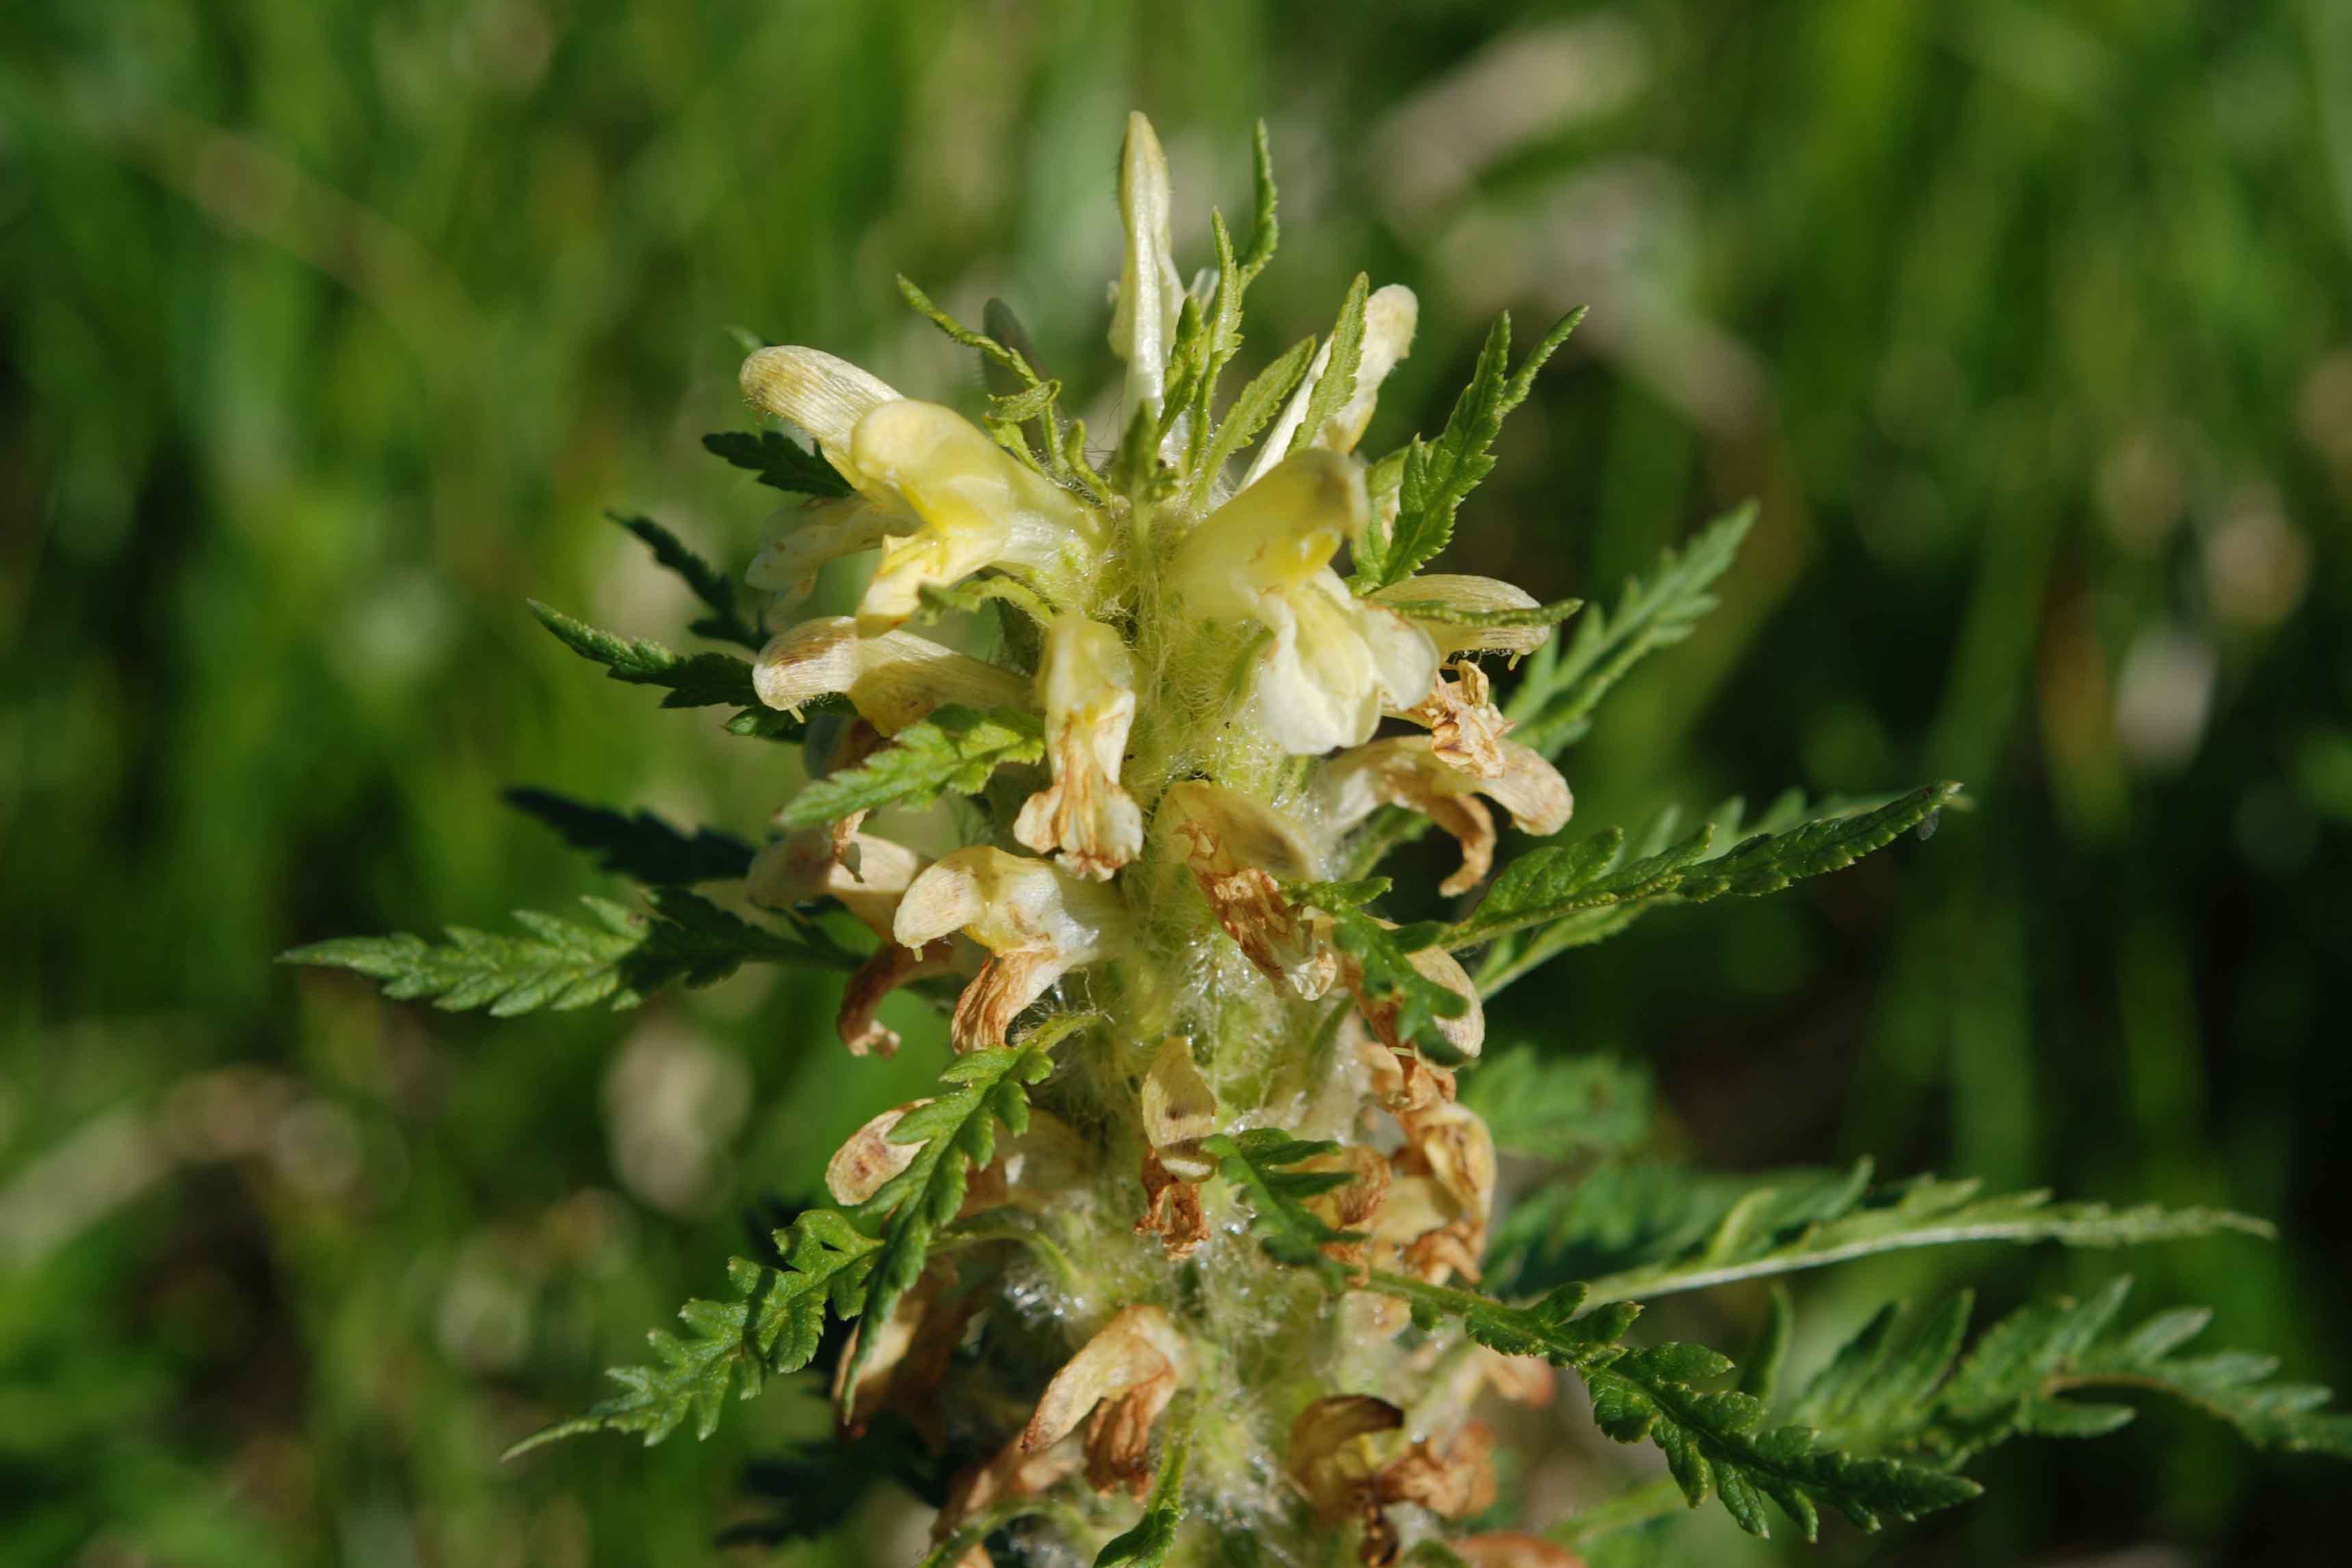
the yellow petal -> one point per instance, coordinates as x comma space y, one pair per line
1086, 685
1037, 920
1242, 829
1150, 293
892, 679
1331, 1452
809, 535
1405, 769
823, 395
1179, 1110
1279, 531
1236, 848
978, 506
1465, 728
1133, 1366
869, 879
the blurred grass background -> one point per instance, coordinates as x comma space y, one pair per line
331, 329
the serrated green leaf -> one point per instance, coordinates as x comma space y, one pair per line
1716, 1440
727, 620
956, 749
696, 680
1154, 1537
781, 462
1266, 233
1437, 475
1338, 382
1547, 1326
620, 957
1712, 1439
1592, 889
1017, 391
1662, 846
1617, 1217
1810, 1219
977, 1528
956, 1132
1759, 1374
1902, 1392
976, 593
1256, 1163
770, 1326
1559, 1107
1332, 898
1562, 686
1380, 963
1258, 403
988, 349
1881, 1379
639, 845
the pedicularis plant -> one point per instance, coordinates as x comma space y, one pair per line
1196, 1256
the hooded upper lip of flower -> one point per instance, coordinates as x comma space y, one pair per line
941, 497
1332, 662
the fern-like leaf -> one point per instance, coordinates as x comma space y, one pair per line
1380, 956
619, 955
1148, 1544
1716, 1440
770, 1326
1904, 1389
1558, 1107
691, 680
1562, 686
1711, 1231
1259, 401
639, 845
781, 462
1713, 1440
957, 1132
727, 621
1579, 893
1437, 475
1257, 1162
956, 749
1337, 382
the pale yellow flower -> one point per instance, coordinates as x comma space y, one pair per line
892, 679
938, 497
1406, 770
1087, 686
1331, 662
1124, 1378
1037, 922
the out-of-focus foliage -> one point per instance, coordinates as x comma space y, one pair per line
330, 330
